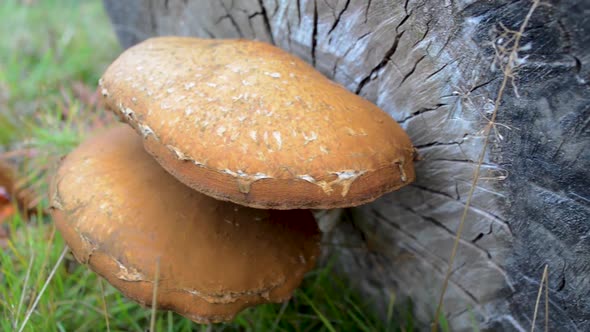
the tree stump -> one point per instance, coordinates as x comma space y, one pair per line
438, 68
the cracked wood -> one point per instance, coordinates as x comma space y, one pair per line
427, 64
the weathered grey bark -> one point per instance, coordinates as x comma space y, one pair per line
429, 65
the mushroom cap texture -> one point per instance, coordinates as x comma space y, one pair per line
247, 122
121, 214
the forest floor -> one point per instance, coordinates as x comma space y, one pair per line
52, 53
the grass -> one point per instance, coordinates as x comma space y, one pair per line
50, 63
74, 301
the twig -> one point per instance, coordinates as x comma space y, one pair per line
508, 75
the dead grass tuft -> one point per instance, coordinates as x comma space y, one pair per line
507, 46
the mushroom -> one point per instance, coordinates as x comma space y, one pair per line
240, 122
129, 220
244, 121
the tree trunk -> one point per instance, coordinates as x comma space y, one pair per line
432, 66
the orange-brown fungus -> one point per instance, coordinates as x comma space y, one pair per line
247, 122
120, 213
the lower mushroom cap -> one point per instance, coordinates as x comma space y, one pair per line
124, 216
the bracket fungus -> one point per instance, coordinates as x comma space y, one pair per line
246, 122
240, 122
121, 213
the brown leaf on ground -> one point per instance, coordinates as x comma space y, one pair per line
6, 186
13, 197
6, 208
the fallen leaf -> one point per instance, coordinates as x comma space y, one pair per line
12, 198
6, 211
6, 185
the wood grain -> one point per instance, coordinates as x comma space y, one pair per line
429, 65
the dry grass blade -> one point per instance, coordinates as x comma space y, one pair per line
44, 262
51, 274
279, 316
155, 296
104, 304
543, 281
546, 302
25, 286
508, 71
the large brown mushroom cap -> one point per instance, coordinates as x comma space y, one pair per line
247, 122
119, 212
